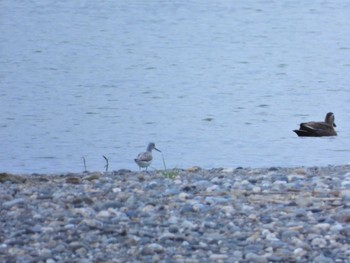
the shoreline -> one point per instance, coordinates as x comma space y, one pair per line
195, 168
298, 214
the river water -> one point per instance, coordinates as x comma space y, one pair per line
213, 83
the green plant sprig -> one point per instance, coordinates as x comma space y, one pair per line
168, 174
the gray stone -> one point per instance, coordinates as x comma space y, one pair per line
319, 242
152, 248
246, 215
254, 258
322, 259
14, 202
216, 200
286, 235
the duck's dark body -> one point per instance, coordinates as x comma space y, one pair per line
318, 129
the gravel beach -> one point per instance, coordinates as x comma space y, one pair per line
193, 215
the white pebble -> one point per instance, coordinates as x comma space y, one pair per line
299, 252
103, 213
319, 242
256, 189
183, 196
322, 226
216, 257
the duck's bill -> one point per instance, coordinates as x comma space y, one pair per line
334, 124
157, 149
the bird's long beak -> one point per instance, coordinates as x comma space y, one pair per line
334, 124
157, 149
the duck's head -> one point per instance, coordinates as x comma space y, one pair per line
330, 119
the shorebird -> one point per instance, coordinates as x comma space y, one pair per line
144, 159
318, 129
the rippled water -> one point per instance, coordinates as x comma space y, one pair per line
212, 83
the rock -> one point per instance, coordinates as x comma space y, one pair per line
188, 224
93, 223
184, 196
343, 216
322, 227
237, 255
14, 202
186, 208
173, 229
6, 177
254, 258
322, 259
242, 215
75, 245
121, 172
319, 242
275, 258
336, 228
299, 252
152, 249
198, 208
346, 231
228, 209
194, 169
93, 176
217, 257
73, 180
304, 201
213, 188
104, 214
289, 234
216, 200
171, 191
256, 189
84, 211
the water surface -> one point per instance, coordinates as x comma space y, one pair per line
212, 83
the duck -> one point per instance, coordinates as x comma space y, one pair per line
144, 159
318, 129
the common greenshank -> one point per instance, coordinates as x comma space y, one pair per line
144, 159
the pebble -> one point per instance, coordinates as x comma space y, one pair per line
152, 248
217, 215
14, 202
319, 242
216, 257
299, 252
254, 258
